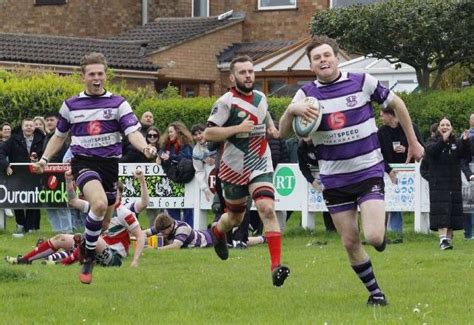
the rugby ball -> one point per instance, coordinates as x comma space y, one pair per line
303, 127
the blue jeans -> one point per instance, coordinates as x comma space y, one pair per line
395, 222
468, 221
60, 220
188, 215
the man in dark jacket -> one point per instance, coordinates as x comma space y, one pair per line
24, 146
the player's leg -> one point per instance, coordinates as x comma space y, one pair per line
373, 222
44, 249
263, 194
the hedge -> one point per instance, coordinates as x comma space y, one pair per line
27, 94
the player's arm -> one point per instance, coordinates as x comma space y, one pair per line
138, 141
220, 133
175, 244
54, 145
73, 201
297, 108
144, 199
140, 237
415, 149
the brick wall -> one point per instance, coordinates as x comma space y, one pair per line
99, 18
169, 8
197, 59
261, 25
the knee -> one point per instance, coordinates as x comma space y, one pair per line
351, 243
265, 208
374, 239
99, 207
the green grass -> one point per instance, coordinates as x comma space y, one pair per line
195, 287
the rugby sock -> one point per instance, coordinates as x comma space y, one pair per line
367, 276
58, 256
219, 234
274, 247
44, 249
442, 237
93, 228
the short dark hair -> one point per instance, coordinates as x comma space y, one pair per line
388, 110
163, 221
240, 59
50, 114
320, 40
93, 58
197, 128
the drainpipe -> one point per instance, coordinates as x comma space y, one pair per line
144, 12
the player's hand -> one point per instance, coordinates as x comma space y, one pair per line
9, 171
39, 166
150, 151
304, 109
273, 132
246, 126
393, 177
415, 151
317, 185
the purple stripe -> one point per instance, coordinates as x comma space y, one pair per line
112, 151
341, 208
63, 125
207, 234
352, 85
349, 150
93, 225
106, 126
353, 117
77, 103
380, 94
340, 180
371, 196
86, 177
128, 120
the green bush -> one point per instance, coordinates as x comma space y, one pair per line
27, 94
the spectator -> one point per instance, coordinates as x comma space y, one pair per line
443, 154
307, 158
130, 153
24, 146
176, 145
202, 156
60, 219
39, 124
5, 131
394, 147
468, 172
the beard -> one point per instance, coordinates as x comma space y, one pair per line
242, 88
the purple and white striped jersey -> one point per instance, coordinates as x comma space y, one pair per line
95, 123
346, 141
190, 237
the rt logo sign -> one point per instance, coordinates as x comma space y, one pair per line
284, 181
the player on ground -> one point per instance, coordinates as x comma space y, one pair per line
350, 161
112, 245
240, 118
95, 118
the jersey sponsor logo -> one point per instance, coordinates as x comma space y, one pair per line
351, 101
108, 113
130, 219
337, 120
94, 127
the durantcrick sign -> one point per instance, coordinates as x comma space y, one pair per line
42, 196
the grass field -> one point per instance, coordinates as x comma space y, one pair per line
423, 284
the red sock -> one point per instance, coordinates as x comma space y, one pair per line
71, 258
274, 247
219, 234
42, 250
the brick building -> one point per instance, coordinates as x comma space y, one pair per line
182, 42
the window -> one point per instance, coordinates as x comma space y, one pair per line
200, 8
347, 3
275, 84
189, 90
50, 2
276, 4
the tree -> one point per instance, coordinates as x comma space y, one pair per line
429, 35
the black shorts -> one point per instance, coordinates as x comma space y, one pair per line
349, 197
105, 170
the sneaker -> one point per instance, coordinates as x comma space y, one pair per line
16, 260
377, 300
220, 245
445, 244
20, 232
85, 276
382, 246
81, 243
239, 244
279, 275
